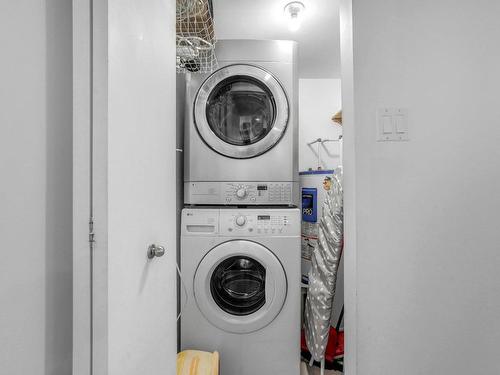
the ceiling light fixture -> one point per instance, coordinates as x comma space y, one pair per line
294, 12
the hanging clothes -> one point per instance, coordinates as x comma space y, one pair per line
325, 262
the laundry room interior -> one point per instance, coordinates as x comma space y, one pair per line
259, 186
200, 187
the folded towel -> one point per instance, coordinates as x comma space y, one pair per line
195, 362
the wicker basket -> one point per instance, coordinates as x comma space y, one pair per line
195, 36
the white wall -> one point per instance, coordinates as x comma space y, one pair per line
35, 189
428, 259
319, 100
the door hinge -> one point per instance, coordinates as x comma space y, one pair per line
91, 231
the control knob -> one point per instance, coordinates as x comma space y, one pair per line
241, 193
241, 220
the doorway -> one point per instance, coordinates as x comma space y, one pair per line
102, 19
318, 37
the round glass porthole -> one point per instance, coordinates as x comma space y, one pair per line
238, 285
241, 110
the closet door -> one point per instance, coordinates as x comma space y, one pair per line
124, 97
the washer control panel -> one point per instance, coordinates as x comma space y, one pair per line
259, 223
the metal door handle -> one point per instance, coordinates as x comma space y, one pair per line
155, 251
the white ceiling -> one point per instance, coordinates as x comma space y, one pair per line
318, 37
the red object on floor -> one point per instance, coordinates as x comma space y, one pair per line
334, 348
303, 345
339, 348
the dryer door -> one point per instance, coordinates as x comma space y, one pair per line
241, 111
240, 286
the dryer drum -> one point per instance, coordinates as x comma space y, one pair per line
238, 285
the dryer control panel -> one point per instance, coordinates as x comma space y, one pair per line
241, 193
273, 192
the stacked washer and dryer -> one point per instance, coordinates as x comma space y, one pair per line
240, 236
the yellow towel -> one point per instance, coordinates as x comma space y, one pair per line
195, 362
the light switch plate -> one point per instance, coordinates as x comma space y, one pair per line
392, 124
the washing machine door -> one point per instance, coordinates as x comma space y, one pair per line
241, 111
240, 286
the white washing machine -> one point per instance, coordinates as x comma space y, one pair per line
241, 273
241, 138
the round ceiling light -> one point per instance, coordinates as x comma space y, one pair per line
294, 12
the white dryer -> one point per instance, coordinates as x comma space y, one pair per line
241, 127
241, 273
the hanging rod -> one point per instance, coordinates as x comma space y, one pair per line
320, 140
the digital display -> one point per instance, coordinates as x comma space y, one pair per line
261, 187
263, 217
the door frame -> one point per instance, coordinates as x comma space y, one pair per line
349, 182
89, 187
